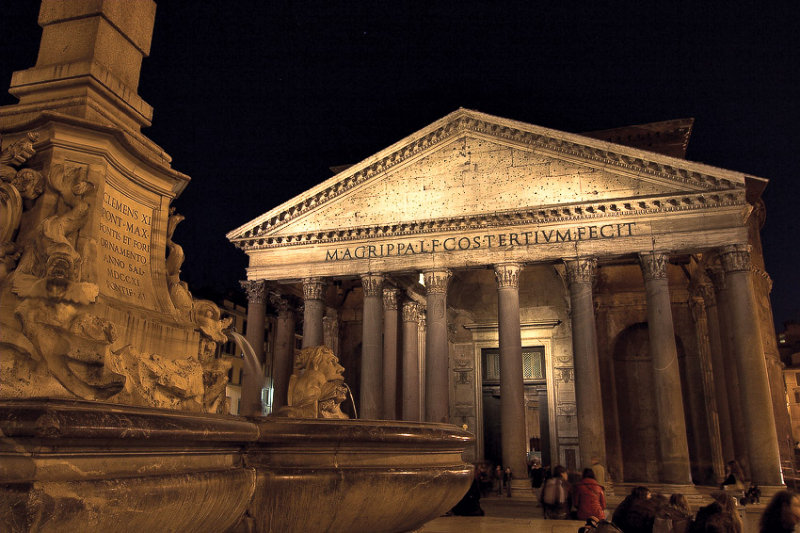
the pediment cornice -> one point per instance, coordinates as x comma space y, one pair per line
694, 177
543, 215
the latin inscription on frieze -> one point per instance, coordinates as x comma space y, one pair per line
487, 241
124, 244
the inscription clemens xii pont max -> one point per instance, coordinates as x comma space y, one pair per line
491, 240
125, 241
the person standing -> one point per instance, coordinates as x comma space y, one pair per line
599, 471
507, 476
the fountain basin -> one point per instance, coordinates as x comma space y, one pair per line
87, 466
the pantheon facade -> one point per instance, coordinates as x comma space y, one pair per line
566, 295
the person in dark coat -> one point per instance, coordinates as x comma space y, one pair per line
589, 497
781, 514
637, 512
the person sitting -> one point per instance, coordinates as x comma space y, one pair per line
636, 513
589, 497
555, 496
720, 516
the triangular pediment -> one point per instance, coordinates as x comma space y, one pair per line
470, 165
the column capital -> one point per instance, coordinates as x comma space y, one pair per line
654, 265
313, 288
280, 303
390, 299
256, 290
507, 275
372, 284
580, 270
436, 281
735, 258
410, 311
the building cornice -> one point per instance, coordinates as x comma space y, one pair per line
572, 213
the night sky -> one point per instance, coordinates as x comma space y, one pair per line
256, 99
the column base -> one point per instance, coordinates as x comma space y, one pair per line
521, 490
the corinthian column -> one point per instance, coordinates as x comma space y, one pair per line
512, 387
283, 356
437, 384
669, 402
748, 352
313, 311
252, 382
588, 396
371, 396
410, 361
718, 365
730, 373
698, 310
390, 321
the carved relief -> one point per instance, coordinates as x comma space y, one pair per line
63, 338
507, 275
372, 284
54, 341
256, 290
410, 312
654, 265
580, 270
436, 281
390, 299
565, 375
178, 290
313, 288
735, 258
316, 388
19, 188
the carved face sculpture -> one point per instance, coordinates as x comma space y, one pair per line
330, 368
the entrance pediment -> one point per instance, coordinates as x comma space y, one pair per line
469, 165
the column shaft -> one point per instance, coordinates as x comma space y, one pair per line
437, 384
588, 395
718, 366
252, 381
411, 403
283, 358
675, 467
748, 352
698, 310
371, 393
390, 342
731, 373
512, 386
313, 311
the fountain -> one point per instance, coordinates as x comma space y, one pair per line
112, 401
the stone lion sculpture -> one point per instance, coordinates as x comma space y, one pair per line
316, 388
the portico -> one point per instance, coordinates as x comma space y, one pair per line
572, 257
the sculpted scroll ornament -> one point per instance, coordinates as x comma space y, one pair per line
654, 266
316, 387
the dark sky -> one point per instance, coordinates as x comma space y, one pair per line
256, 99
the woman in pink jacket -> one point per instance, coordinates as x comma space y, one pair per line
589, 497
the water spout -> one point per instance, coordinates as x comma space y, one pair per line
253, 378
